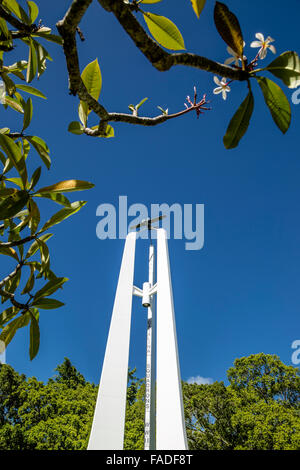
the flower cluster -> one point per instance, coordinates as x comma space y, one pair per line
263, 45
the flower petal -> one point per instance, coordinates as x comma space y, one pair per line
272, 48
256, 44
269, 39
263, 53
217, 81
260, 36
217, 90
229, 60
224, 95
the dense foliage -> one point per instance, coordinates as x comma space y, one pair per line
258, 410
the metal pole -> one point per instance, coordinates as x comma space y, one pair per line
149, 439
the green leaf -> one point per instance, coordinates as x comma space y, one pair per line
9, 330
31, 90
277, 103
8, 315
41, 148
10, 206
92, 79
13, 151
7, 192
150, 1
8, 251
4, 29
76, 128
229, 28
32, 62
35, 178
30, 282
15, 8
48, 304
287, 68
56, 197
33, 11
239, 123
63, 214
34, 216
35, 246
34, 334
50, 287
45, 256
137, 106
28, 110
66, 186
50, 37
14, 104
164, 31
198, 6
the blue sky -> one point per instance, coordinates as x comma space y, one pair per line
237, 296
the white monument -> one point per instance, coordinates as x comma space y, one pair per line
164, 414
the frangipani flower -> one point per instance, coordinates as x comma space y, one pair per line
2, 92
222, 87
233, 56
263, 44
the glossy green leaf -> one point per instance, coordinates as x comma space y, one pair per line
32, 62
150, 1
35, 177
198, 6
49, 288
63, 214
41, 148
137, 106
31, 90
9, 251
287, 68
45, 256
30, 282
56, 197
47, 304
4, 29
8, 315
92, 79
14, 153
66, 186
28, 110
75, 127
10, 330
239, 123
164, 31
49, 37
15, 8
229, 28
34, 216
33, 11
34, 333
7, 192
35, 246
14, 104
277, 103
11, 205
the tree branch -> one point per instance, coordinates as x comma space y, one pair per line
158, 57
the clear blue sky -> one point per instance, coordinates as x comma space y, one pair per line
238, 295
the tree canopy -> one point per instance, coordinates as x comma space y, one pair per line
258, 410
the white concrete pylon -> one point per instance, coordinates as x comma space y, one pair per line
109, 418
170, 423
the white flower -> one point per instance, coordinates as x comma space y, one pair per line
263, 44
233, 56
222, 87
2, 92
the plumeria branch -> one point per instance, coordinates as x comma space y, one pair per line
198, 107
159, 58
